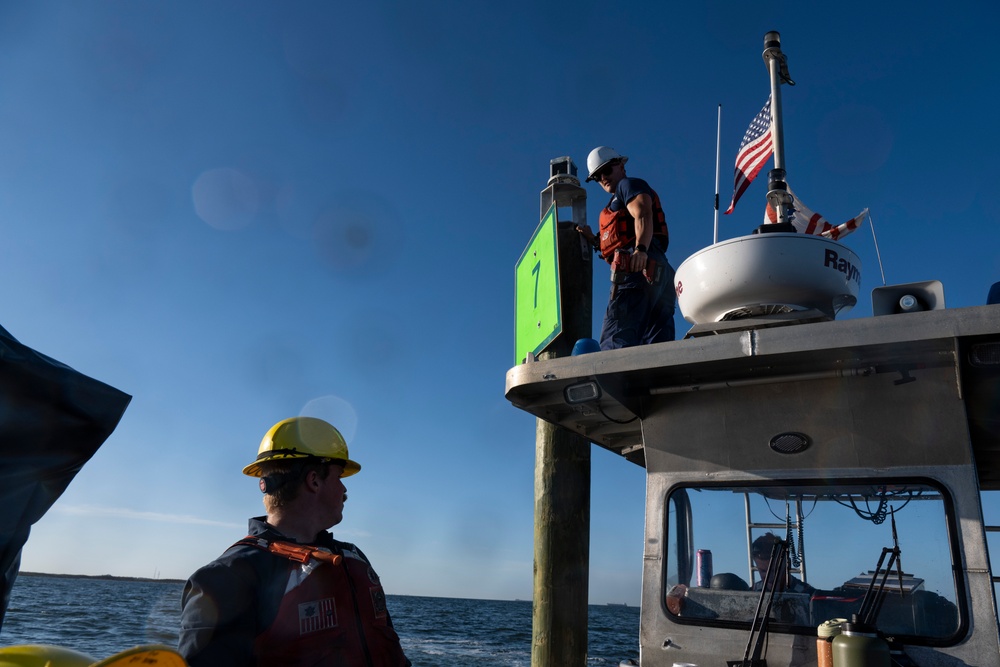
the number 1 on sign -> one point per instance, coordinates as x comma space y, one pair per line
536, 271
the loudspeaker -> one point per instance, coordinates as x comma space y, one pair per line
908, 298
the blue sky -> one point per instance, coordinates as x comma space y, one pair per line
240, 212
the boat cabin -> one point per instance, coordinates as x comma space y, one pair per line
857, 449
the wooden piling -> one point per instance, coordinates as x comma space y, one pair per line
562, 487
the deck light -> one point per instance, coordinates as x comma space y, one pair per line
985, 354
583, 392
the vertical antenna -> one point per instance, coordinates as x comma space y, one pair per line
871, 223
718, 148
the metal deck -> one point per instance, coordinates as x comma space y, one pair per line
631, 379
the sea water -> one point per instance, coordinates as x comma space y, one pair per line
101, 617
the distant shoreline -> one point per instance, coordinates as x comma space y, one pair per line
111, 577
100, 576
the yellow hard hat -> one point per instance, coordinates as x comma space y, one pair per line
300, 438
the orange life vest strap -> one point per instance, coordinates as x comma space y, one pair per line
300, 553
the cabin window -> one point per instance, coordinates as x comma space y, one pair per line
834, 538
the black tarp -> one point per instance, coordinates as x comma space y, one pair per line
52, 420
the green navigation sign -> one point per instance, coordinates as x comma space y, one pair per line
537, 308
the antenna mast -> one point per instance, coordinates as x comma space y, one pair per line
718, 149
777, 188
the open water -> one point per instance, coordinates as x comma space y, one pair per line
101, 617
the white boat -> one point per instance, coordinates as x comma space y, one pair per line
861, 445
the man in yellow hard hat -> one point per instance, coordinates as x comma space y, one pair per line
288, 593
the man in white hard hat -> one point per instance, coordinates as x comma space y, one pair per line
633, 239
289, 593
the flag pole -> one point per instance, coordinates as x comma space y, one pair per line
718, 149
777, 188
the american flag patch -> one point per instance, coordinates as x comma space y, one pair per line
317, 615
378, 601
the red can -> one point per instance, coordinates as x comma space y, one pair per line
704, 563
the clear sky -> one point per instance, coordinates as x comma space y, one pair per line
238, 212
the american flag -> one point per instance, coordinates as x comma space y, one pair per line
754, 152
317, 615
807, 222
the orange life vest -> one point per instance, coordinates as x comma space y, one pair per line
333, 613
618, 228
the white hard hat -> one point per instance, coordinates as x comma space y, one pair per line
599, 157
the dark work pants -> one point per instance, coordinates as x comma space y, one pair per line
639, 313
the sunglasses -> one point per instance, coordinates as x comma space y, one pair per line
605, 170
